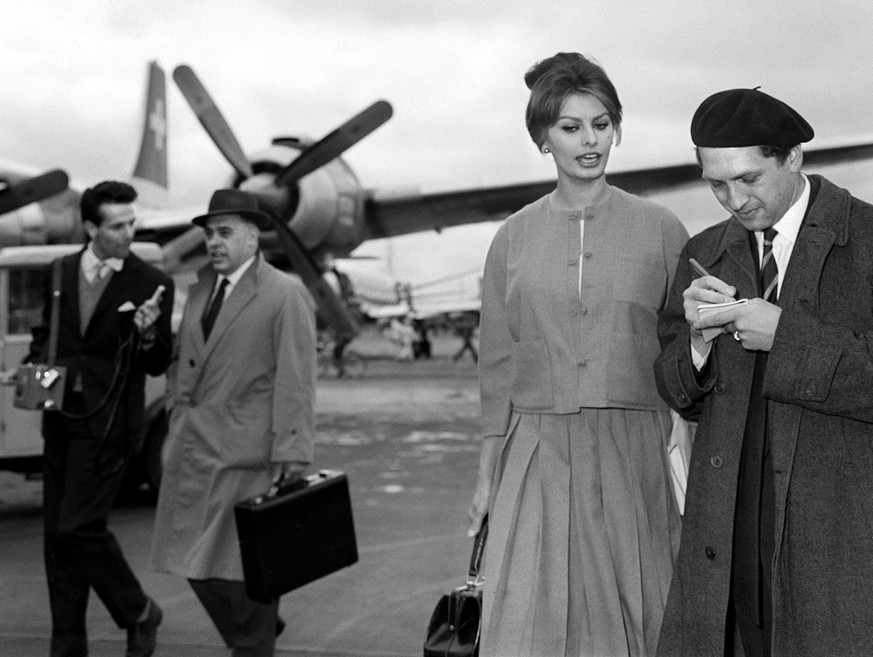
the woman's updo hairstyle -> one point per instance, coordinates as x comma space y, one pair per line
551, 81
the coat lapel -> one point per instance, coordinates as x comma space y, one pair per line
119, 285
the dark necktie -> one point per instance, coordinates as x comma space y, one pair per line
769, 271
208, 320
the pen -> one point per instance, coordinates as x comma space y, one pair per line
700, 270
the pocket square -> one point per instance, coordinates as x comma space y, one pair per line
126, 307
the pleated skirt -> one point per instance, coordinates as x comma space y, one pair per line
584, 528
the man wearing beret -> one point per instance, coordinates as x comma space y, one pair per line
242, 415
777, 543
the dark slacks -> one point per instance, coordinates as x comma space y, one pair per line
247, 627
80, 551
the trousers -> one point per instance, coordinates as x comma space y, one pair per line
79, 550
247, 627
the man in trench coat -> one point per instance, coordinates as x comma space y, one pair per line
777, 538
242, 415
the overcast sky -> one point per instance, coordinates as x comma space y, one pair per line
72, 76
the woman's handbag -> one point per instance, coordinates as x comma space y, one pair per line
456, 621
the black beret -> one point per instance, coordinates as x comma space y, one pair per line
747, 117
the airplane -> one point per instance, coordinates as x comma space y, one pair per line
319, 208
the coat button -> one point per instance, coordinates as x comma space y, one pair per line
588, 254
710, 552
716, 461
572, 261
574, 312
191, 362
720, 388
810, 390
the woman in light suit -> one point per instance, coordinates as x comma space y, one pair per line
574, 472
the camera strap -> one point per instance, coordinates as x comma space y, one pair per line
56, 311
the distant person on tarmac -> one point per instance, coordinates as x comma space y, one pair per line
242, 416
584, 525
113, 329
466, 331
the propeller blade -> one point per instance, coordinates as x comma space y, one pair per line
332, 309
211, 119
32, 190
334, 144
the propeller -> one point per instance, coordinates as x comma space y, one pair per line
32, 190
270, 194
210, 117
334, 144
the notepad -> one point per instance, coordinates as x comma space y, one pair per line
706, 309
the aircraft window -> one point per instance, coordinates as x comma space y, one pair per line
26, 288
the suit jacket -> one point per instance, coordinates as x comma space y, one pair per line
544, 348
818, 384
242, 400
92, 354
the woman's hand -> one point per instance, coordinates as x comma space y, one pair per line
479, 507
487, 461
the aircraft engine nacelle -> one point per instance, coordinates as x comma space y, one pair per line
51, 221
324, 209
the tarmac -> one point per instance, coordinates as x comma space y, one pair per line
406, 435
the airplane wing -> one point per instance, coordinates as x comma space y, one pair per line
390, 216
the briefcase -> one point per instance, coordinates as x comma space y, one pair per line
296, 534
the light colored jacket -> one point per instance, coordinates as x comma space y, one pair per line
242, 400
547, 348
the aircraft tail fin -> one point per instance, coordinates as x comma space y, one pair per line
150, 172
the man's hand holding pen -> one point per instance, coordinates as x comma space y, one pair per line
706, 289
752, 324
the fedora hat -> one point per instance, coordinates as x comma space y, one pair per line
234, 201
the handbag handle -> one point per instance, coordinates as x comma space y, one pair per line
473, 576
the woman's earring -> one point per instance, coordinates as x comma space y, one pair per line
546, 150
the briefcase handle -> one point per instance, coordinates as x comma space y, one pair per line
473, 575
286, 486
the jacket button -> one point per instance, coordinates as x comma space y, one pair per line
572, 262
810, 391
716, 461
588, 254
191, 362
720, 388
574, 312
584, 312
710, 552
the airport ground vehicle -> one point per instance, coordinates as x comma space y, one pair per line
22, 280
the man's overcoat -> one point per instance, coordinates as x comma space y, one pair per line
242, 400
819, 383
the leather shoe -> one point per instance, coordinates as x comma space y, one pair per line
280, 625
142, 637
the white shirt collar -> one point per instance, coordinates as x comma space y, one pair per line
789, 225
233, 277
90, 261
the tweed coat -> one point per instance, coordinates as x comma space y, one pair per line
91, 354
819, 383
241, 401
